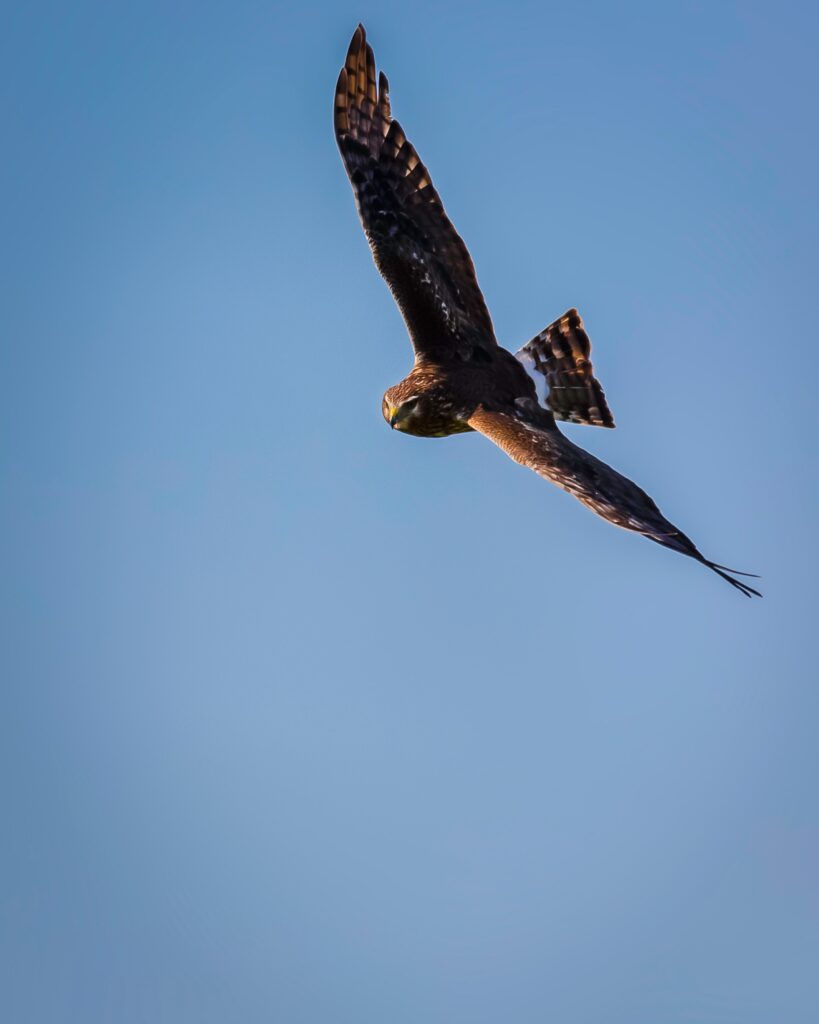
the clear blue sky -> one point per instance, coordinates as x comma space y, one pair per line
307, 721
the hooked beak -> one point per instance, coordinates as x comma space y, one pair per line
393, 416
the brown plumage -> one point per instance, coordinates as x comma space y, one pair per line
462, 379
561, 354
416, 248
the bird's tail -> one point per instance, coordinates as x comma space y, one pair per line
559, 362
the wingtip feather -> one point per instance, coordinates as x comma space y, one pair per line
744, 588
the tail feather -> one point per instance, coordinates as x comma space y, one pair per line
559, 362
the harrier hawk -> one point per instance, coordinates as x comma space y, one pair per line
462, 379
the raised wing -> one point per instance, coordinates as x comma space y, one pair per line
416, 248
558, 360
544, 449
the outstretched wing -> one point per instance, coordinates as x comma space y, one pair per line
602, 489
558, 360
416, 248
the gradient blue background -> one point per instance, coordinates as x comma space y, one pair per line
307, 721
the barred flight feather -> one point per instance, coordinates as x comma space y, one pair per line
558, 360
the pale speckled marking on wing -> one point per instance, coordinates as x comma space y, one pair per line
415, 246
602, 489
558, 360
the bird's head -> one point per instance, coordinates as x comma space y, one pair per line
409, 404
422, 405
400, 407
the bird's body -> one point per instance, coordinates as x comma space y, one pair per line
462, 379
449, 393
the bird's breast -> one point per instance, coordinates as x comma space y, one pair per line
433, 426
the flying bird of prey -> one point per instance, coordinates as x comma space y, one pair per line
462, 378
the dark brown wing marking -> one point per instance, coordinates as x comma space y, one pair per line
598, 486
560, 357
415, 246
